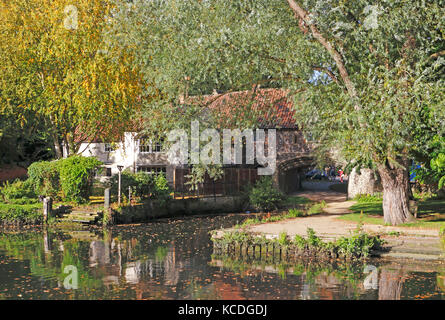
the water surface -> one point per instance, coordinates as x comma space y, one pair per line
172, 259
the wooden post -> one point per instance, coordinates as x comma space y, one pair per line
107, 198
119, 190
238, 181
47, 208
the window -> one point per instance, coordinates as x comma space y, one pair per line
295, 139
158, 146
102, 172
153, 170
144, 146
108, 147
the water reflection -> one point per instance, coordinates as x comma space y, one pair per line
173, 259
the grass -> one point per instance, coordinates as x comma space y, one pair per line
296, 200
308, 209
431, 213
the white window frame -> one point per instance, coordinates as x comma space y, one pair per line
153, 170
147, 146
108, 147
151, 147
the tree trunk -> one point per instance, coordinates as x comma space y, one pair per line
396, 193
57, 147
391, 284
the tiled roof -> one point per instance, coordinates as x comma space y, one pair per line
270, 108
106, 132
266, 108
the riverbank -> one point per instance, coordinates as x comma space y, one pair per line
174, 259
400, 242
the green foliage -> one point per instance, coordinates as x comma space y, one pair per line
161, 189
14, 214
140, 183
18, 192
438, 167
365, 198
431, 157
357, 246
283, 239
295, 213
316, 208
70, 178
300, 241
367, 76
45, 178
264, 195
153, 186
76, 177
312, 239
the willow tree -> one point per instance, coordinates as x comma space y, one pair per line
367, 76
57, 68
386, 89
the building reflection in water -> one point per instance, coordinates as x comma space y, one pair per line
142, 263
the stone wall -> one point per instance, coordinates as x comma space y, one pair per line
363, 183
150, 210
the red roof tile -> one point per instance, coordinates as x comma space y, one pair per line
267, 108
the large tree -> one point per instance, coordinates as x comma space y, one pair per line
56, 68
367, 76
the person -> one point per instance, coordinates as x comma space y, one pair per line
341, 174
332, 174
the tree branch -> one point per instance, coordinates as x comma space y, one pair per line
328, 72
303, 15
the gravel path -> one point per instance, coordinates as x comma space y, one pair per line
412, 243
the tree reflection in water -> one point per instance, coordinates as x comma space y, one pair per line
173, 260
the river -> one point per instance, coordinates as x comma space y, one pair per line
172, 259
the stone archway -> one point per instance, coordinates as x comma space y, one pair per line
290, 171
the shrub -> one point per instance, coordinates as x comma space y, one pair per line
128, 179
76, 177
18, 191
312, 239
45, 178
295, 213
360, 244
143, 184
161, 189
438, 168
283, 239
140, 183
264, 196
11, 214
